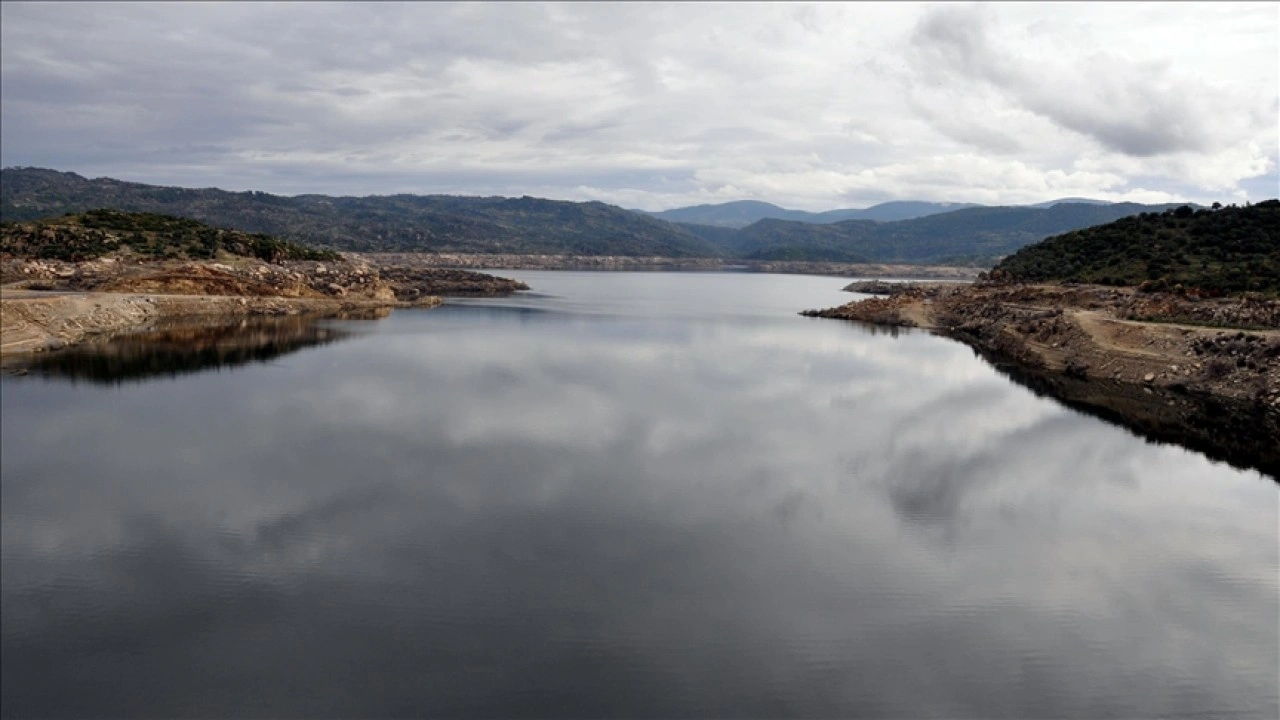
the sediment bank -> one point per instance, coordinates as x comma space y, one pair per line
1205, 373
38, 321
48, 304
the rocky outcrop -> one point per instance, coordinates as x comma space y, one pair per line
353, 277
907, 305
1247, 312
348, 278
876, 287
49, 303
410, 281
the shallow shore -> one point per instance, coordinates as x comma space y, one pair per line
32, 322
51, 304
1139, 360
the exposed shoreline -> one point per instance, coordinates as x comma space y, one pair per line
1118, 354
35, 322
502, 261
51, 304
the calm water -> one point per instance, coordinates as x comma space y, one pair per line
622, 495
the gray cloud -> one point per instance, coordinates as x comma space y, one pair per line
1129, 107
810, 106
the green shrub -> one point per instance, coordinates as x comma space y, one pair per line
1226, 251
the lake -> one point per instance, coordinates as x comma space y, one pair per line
617, 495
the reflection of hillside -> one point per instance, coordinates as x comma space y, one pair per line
1241, 435
871, 328
185, 350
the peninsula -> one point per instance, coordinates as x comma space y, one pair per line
102, 272
1168, 323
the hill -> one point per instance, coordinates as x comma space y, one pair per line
486, 225
742, 213
1229, 250
1059, 201
976, 235
90, 235
894, 211
736, 214
425, 223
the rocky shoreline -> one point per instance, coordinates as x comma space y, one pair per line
353, 276
186, 345
34, 322
51, 304
1204, 373
501, 261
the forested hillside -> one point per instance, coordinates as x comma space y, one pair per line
971, 236
426, 223
91, 235
1210, 251
745, 212
977, 236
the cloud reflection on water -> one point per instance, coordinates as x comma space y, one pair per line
459, 513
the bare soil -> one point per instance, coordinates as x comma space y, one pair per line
50, 304
39, 321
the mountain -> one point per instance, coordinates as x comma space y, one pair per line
1060, 201
731, 214
976, 235
893, 211
96, 233
429, 223
742, 213
1216, 251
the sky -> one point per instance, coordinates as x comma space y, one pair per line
654, 106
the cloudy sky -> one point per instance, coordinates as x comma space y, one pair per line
654, 105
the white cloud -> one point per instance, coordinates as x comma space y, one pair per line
652, 105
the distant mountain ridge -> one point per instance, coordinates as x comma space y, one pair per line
1060, 201
976, 235
741, 213
427, 223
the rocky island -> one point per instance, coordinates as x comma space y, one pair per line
1167, 323
102, 272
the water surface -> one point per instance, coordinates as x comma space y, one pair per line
619, 495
